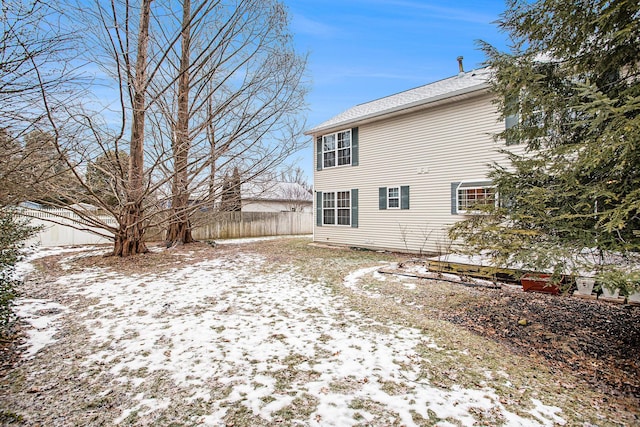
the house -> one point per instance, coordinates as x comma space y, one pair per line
395, 173
275, 197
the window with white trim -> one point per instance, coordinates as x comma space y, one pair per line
471, 195
328, 208
336, 208
336, 149
393, 197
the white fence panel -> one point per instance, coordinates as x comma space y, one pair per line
62, 233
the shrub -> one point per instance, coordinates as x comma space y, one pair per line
13, 233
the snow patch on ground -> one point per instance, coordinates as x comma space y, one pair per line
256, 239
352, 280
267, 339
43, 318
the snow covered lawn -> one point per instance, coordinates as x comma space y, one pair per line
228, 337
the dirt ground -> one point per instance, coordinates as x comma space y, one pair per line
598, 342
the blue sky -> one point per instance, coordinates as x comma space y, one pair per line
361, 50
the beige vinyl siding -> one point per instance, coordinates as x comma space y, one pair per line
452, 142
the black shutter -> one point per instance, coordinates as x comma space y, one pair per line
319, 208
354, 147
319, 153
404, 197
354, 208
382, 198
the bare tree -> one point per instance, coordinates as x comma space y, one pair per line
179, 229
107, 177
199, 88
296, 174
239, 89
129, 239
35, 77
117, 43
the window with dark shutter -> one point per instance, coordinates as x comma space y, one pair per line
393, 197
467, 196
336, 207
337, 149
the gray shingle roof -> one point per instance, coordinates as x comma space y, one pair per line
442, 89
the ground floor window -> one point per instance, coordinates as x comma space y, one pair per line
470, 196
336, 208
394, 197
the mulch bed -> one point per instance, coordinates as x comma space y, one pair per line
598, 341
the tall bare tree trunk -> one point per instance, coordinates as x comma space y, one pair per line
129, 239
179, 229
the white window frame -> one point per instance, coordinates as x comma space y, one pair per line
397, 198
473, 185
337, 149
337, 207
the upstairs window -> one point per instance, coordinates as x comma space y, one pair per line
329, 150
336, 149
344, 148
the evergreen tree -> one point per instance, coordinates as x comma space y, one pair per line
231, 196
569, 91
14, 230
47, 172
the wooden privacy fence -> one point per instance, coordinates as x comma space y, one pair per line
225, 225
231, 225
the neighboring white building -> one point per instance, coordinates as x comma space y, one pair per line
276, 197
397, 172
